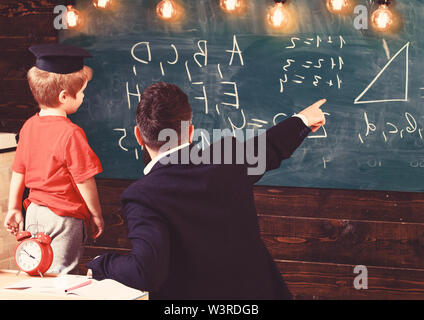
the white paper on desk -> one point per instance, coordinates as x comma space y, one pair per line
108, 289
55, 285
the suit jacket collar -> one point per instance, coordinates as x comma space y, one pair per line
155, 163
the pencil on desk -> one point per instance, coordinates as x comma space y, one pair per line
78, 286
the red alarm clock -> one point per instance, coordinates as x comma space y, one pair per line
34, 254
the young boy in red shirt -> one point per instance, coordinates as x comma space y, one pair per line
54, 160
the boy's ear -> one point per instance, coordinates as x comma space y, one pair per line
137, 134
62, 96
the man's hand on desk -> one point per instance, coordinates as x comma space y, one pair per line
90, 272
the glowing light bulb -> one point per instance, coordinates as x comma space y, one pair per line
233, 6
102, 4
167, 10
339, 6
278, 16
73, 18
382, 19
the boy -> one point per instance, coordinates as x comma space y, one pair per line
193, 227
53, 159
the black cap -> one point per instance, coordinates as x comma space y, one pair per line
59, 58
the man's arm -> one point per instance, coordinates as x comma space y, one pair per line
146, 266
14, 221
280, 141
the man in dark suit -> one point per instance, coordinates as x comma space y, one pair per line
193, 227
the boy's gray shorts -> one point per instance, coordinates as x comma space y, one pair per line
67, 235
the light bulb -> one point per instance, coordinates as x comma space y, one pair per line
167, 10
73, 18
233, 6
382, 19
339, 6
278, 16
102, 4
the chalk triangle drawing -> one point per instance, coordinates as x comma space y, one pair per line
400, 99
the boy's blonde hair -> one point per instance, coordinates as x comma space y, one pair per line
46, 86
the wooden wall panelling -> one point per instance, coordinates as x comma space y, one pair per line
367, 243
310, 280
340, 204
22, 24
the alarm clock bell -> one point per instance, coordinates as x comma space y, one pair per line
33, 254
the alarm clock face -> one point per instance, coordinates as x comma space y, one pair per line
28, 255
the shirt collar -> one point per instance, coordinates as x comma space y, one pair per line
152, 163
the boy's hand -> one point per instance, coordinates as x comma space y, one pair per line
314, 114
97, 226
14, 221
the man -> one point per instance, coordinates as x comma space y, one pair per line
193, 227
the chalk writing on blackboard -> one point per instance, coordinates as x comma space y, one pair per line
407, 125
132, 94
417, 164
386, 49
142, 52
311, 70
122, 137
149, 54
257, 123
359, 100
295, 42
300, 69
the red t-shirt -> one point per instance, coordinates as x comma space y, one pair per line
54, 155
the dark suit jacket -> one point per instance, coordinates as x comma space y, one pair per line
194, 229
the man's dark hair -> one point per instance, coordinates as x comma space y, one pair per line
162, 106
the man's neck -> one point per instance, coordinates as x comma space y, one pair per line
156, 153
156, 156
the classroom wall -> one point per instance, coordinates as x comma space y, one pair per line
22, 23
316, 236
7, 241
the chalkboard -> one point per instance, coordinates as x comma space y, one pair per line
238, 73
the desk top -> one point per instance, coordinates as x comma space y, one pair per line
9, 277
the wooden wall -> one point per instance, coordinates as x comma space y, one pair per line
316, 236
7, 240
22, 24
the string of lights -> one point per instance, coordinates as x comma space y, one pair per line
278, 15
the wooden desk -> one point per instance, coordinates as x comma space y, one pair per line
9, 277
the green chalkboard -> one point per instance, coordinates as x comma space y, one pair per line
240, 74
